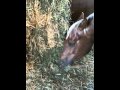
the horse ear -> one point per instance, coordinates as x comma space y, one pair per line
82, 16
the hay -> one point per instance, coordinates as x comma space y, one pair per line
46, 22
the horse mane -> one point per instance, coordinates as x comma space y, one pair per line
90, 18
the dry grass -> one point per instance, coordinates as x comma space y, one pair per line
46, 21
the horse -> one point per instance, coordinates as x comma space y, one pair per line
78, 41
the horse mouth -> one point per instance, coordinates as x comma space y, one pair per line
64, 63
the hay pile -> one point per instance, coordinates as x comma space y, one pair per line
46, 22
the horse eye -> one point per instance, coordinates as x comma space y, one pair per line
71, 43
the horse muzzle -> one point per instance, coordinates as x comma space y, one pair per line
64, 63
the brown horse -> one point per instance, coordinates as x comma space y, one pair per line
79, 40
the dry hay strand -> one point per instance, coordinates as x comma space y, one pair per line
51, 29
